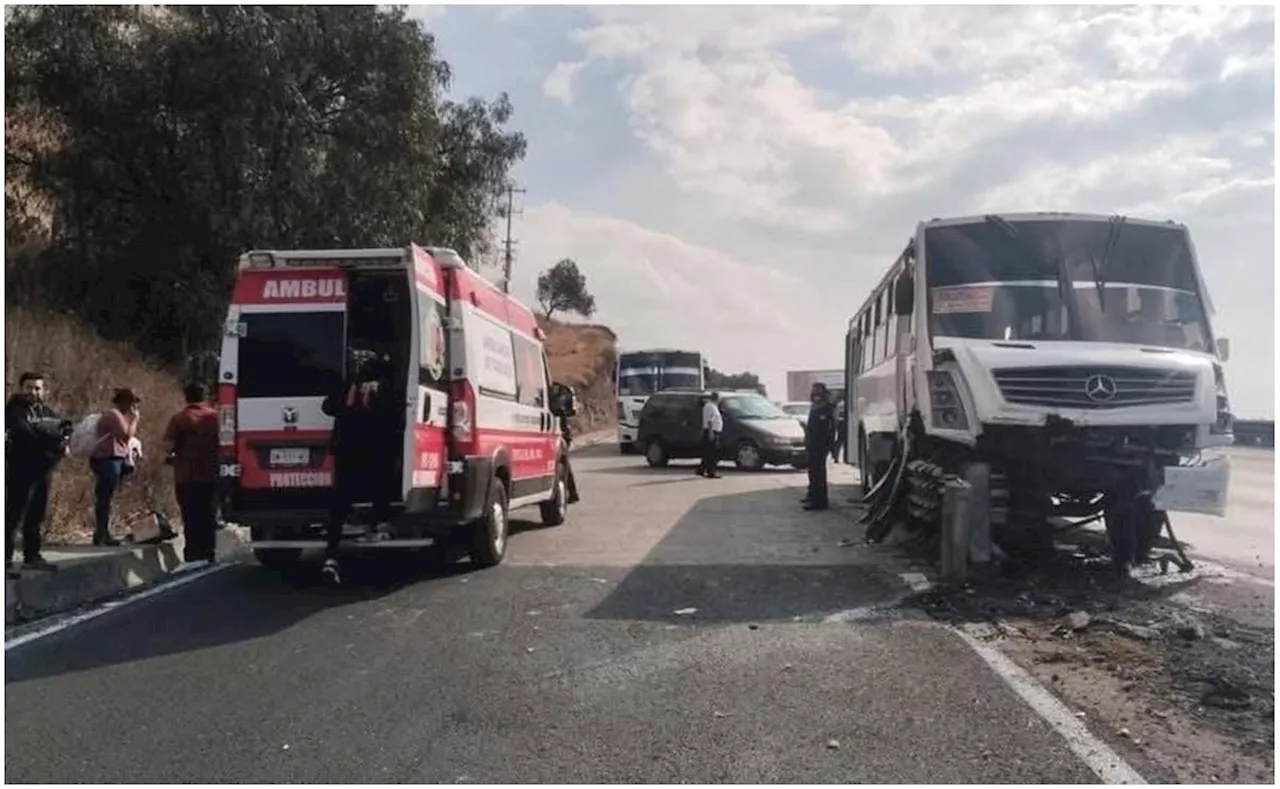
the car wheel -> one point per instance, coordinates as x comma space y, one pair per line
556, 509
748, 457
489, 534
655, 453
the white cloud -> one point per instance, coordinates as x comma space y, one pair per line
811, 140
654, 289
559, 83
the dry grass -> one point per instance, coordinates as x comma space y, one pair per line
82, 369
582, 356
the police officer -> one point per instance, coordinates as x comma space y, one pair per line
819, 438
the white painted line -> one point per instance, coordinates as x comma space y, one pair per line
1096, 754
186, 577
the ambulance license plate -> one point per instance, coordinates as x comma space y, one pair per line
290, 458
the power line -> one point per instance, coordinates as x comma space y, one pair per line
510, 243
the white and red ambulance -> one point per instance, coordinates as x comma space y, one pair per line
479, 434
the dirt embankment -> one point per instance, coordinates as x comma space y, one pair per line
582, 356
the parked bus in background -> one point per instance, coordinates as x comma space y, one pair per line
642, 373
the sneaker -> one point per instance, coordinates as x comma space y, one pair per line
330, 571
39, 563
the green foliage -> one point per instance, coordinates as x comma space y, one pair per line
744, 380
562, 288
173, 138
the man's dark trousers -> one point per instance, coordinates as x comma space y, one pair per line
196, 500
817, 479
710, 454
27, 502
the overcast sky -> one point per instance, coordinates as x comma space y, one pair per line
737, 179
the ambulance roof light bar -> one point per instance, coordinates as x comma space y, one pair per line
302, 258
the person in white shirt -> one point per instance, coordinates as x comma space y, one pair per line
712, 427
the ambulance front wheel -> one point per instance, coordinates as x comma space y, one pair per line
278, 559
556, 509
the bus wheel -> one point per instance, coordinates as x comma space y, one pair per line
489, 534
556, 509
655, 453
279, 559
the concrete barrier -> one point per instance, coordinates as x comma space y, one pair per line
90, 575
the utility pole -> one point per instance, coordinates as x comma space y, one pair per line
509, 244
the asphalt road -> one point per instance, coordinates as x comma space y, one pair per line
568, 663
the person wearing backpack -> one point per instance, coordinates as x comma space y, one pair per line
113, 458
35, 439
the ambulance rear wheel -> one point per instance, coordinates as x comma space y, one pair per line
489, 534
279, 559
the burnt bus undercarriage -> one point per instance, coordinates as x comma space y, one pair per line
1043, 480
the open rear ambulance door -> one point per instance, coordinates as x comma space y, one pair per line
284, 351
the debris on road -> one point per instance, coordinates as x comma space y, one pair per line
1077, 621
685, 611
833, 745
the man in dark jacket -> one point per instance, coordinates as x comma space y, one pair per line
35, 440
819, 437
364, 445
568, 408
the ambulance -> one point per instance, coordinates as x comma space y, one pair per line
479, 433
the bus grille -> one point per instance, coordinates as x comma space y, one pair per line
1095, 387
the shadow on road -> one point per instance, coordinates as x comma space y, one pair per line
748, 557
239, 604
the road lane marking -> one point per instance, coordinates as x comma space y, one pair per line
1105, 763
114, 605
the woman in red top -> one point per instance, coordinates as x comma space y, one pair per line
110, 460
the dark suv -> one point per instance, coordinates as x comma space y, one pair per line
756, 432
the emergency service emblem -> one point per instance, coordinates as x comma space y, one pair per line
433, 343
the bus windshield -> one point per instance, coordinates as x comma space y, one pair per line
644, 373
1065, 279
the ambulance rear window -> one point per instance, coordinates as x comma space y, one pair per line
291, 354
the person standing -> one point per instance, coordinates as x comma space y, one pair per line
567, 409
363, 444
35, 439
819, 436
712, 427
191, 439
838, 443
112, 458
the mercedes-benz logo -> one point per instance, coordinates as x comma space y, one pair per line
1100, 388
290, 415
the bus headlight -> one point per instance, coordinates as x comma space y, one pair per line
1223, 421
944, 396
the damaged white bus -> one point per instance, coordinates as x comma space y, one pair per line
1067, 360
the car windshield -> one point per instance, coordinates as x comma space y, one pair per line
750, 406
1065, 280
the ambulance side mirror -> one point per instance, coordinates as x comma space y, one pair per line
561, 400
1224, 349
